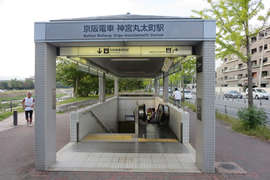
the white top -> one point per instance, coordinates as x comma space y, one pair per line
28, 103
177, 95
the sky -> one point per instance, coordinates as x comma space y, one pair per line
17, 19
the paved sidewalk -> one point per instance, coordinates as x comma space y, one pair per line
8, 123
17, 156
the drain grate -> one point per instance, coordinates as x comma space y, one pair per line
125, 160
228, 166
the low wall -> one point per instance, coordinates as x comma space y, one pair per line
68, 106
106, 112
177, 116
126, 105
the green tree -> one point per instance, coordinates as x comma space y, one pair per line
88, 85
3, 85
189, 69
233, 18
67, 73
28, 84
109, 86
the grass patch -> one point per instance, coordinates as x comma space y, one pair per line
190, 106
262, 132
19, 97
71, 100
129, 91
8, 114
61, 95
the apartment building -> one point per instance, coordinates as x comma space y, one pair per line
233, 72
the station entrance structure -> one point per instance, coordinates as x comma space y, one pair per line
125, 46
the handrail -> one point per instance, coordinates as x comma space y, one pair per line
99, 122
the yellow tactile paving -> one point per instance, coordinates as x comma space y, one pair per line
157, 140
109, 137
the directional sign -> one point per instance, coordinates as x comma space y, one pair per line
125, 51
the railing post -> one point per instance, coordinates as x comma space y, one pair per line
15, 118
10, 106
225, 110
245, 100
260, 102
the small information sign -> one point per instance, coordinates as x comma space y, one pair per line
130, 118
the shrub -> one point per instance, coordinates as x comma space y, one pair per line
252, 117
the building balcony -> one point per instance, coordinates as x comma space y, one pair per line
229, 80
229, 61
244, 79
266, 77
230, 70
266, 64
267, 50
244, 67
255, 66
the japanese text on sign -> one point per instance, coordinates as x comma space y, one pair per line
124, 28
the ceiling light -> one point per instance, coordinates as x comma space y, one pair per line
129, 59
132, 68
135, 72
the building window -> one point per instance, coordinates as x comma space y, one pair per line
254, 63
240, 76
254, 74
253, 51
265, 48
264, 73
253, 39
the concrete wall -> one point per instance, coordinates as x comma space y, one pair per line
177, 116
69, 106
106, 112
126, 105
205, 126
45, 114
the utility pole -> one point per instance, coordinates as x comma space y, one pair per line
260, 76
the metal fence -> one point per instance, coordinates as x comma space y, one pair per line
9, 107
232, 110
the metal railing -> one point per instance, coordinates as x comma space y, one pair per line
231, 110
99, 122
9, 107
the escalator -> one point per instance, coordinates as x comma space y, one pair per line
158, 130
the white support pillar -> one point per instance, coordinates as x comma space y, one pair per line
45, 108
165, 88
156, 87
102, 87
116, 87
205, 124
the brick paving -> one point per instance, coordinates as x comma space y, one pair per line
17, 156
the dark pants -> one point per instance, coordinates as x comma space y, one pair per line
30, 113
177, 102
